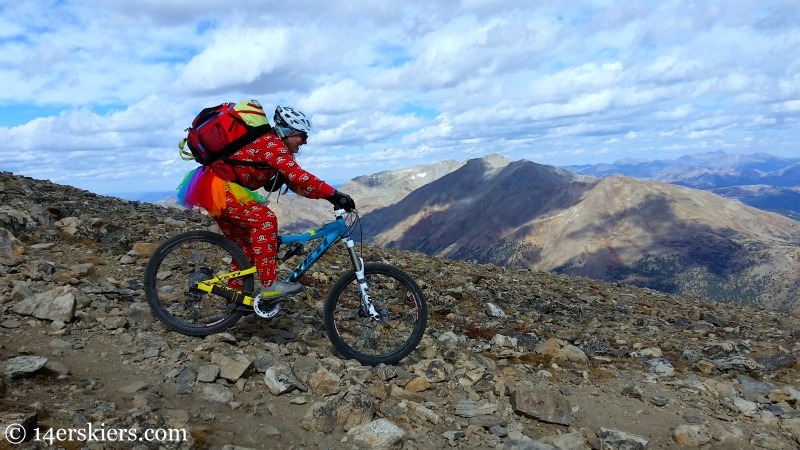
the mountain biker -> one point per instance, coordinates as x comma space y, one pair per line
226, 192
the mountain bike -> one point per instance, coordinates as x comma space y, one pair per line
199, 283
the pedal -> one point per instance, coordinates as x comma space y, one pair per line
267, 308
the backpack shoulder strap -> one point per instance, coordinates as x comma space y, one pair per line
251, 135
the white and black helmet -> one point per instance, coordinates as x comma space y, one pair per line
288, 117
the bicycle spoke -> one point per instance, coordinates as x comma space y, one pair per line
172, 276
392, 335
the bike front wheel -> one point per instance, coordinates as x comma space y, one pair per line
403, 315
175, 269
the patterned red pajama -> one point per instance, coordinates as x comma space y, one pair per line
254, 228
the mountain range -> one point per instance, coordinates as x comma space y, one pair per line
761, 180
706, 170
618, 228
681, 226
298, 214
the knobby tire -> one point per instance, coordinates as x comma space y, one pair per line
396, 296
179, 263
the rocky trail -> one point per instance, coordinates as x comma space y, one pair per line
512, 359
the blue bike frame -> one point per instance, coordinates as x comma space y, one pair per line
327, 235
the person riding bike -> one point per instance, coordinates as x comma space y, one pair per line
227, 189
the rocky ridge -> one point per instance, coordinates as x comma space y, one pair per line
511, 359
618, 229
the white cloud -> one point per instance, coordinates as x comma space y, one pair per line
679, 112
236, 57
431, 133
674, 68
343, 96
89, 89
790, 106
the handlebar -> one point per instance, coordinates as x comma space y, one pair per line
338, 212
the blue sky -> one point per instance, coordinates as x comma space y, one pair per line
96, 94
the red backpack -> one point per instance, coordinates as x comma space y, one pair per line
221, 130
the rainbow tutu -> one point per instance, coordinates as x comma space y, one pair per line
202, 188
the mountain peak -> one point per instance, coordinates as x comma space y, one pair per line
496, 161
647, 233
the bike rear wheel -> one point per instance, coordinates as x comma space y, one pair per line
401, 304
177, 265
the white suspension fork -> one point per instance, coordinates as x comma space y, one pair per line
358, 265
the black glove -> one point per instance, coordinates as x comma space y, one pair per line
342, 201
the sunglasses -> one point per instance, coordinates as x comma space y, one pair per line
291, 133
